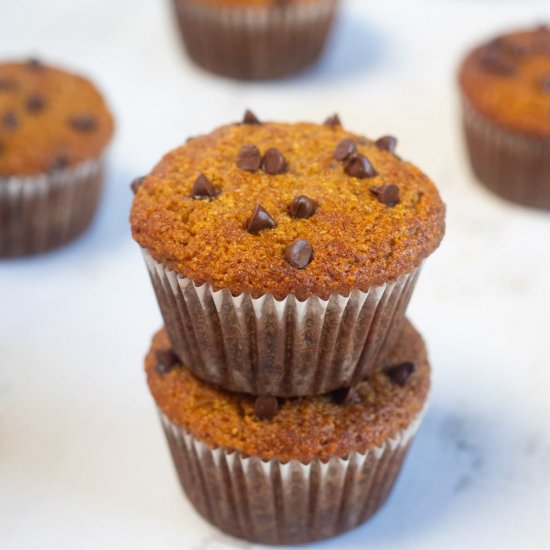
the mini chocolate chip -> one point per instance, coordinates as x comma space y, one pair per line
249, 158
333, 120
35, 103
346, 396
250, 118
136, 184
266, 407
544, 83
493, 62
59, 163
34, 64
399, 374
359, 166
386, 143
166, 361
7, 85
83, 123
387, 194
345, 149
203, 188
273, 162
10, 120
299, 253
301, 207
259, 220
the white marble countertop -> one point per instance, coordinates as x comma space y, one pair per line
83, 463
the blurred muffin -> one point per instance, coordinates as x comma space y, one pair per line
283, 256
295, 470
505, 87
254, 39
54, 128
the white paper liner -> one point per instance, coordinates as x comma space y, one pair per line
513, 165
265, 346
255, 42
285, 503
38, 213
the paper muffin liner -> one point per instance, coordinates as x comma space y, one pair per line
272, 502
38, 213
284, 348
254, 41
512, 165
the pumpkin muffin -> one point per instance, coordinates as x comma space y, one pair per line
505, 87
254, 39
54, 128
283, 256
290, 470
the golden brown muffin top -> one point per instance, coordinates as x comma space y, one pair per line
301, 428
508, 80
358, 233
257, 3
49, 119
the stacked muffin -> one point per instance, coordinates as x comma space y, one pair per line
289, 384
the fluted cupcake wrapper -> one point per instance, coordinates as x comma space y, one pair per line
255, 41
513, 165
285, 503
284, 348
38, 213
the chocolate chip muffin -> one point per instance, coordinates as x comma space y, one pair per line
505, 87
54, 128
254, 39
286, 471
283, 256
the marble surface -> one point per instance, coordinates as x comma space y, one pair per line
83, 463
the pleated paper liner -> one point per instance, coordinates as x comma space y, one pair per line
255, 41
38, 213
513, 165
283, 348
285, 503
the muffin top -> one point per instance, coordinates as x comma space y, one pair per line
281, 3
49, 119
303, 209
336, 424
508, 80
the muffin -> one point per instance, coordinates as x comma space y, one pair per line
254, 39
505, 87
292, 470
283, 256
54, 128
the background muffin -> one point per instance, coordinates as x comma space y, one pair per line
283, 256
254, 39
505, 86
54, 128
295, 470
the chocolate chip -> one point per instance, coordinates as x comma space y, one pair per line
83, 123
273, 162
493, 61
59, 163
266, 407
386, 143
299, 253
259, 220
387, 194
166, 361
301, 207
35, 103
346, 396
333, 120
10, 120
544, 84
7, 85
399, 374
34, 64
250, 118
345, 149
359, 166
203, 188
249, 158
136, 184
